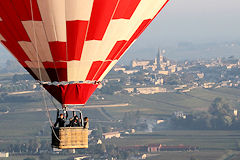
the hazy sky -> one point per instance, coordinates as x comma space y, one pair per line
194, 20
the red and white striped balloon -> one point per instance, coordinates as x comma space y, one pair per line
72, 40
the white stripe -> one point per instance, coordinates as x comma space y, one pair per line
34, 66
78, 70
90, 50
107, 70
29, 50
120, 29
54, 19
149, 7
41, 45
78, 9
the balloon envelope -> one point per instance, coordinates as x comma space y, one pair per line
76, 41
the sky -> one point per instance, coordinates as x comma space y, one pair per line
194, 21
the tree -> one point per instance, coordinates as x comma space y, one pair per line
220, 108
34, 145
100, 148
222, 114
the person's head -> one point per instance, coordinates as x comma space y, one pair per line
61, 116
86, 119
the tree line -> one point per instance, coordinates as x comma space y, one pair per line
220, 115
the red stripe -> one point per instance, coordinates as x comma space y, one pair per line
12, 22
104, 66
58, 50
76, 32
116, 49
102, 13
93, 70
25, 9
126, 9
134, 37
56, 71
61, 71
71, 93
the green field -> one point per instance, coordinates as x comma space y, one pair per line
24, 121
167, 103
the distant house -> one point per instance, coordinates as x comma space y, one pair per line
110, 135
200, 75
129, 90
136, 63
151, 90
160, 121
4, 154
99, 141
119, 69
163, 72
153, 148
159, 147
130, 71
208, 85
81, 158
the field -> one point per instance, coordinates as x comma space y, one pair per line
167, 103
25, 120
213, 145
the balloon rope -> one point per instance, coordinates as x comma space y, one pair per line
49, 119
40, 74
35, 42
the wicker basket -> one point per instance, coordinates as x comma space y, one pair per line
70, 137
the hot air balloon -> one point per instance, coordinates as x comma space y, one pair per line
70, 45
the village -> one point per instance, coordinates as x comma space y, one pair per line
147, 76
163, 75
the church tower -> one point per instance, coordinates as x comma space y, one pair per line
160, 58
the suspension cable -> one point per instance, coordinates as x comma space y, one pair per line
39, 70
